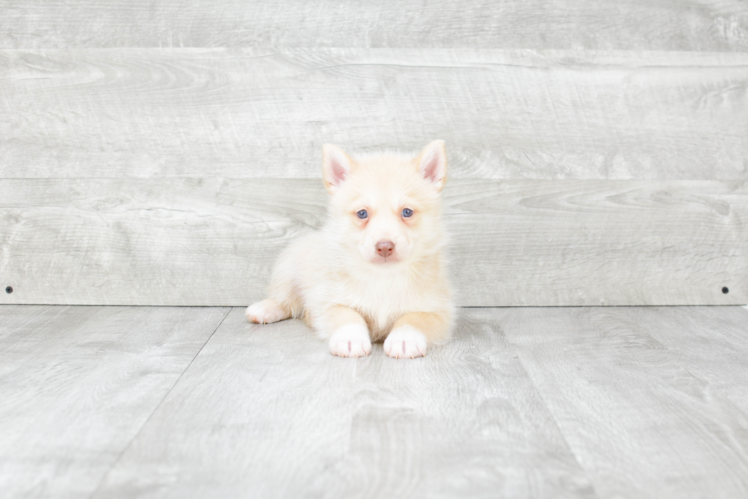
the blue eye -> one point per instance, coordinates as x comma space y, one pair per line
407, 212
362, 214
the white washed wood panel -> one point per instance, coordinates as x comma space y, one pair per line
213, 241
717, 25
638, 419
265, 411
711, 341
77, 384
256, 113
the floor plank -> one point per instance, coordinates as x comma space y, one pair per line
538, 402
265, 410
539, 243
254, 113
640, 421
711, 343
78, 383
623, 25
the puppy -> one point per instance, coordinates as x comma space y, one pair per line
376, 269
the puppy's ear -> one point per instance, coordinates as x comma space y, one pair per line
336, 165
432, 163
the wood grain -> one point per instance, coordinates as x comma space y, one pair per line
624, 25
266, 411
713, 349
254, 113
523, 402
77, 384
214, 241
639, 421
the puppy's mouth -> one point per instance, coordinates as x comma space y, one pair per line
383, 261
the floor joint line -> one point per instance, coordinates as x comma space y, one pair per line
155, 409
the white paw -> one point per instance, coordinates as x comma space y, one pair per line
266, 311
405, 342
350, 341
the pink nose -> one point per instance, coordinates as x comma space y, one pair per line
385, 248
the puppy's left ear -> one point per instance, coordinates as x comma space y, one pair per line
432, 163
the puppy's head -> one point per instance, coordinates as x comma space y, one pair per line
386, 207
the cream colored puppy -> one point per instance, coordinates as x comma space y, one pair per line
375, 270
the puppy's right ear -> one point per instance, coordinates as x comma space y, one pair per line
336, 165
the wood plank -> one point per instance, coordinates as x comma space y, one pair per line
641, 423
577, 243
624, 25
214, 241
77, 384
266, 411
254, 113
714, 348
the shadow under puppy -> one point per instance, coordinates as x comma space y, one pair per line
376, 269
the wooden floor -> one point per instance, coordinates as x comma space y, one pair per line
524, 402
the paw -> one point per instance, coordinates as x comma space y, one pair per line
405, 342
350, 341
266, 311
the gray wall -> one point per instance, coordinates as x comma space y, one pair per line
159, 153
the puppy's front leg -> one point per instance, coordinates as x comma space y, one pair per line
413, 332
350, 335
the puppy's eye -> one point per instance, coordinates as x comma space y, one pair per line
407, 212
362, 214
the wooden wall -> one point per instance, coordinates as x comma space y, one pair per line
162, 153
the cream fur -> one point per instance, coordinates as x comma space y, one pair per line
337, 281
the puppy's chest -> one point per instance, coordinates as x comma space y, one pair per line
384, 299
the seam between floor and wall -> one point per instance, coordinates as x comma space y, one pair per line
155, 409
611, 306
